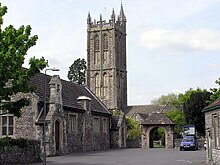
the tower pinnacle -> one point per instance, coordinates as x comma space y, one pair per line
122, 15
89, 18
113, 15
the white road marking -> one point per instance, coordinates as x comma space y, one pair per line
184, 161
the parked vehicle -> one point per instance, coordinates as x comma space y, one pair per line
188, 143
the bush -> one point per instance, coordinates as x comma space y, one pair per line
21, 142
133, 128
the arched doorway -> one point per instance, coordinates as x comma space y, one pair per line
157, 138
58, 132
154, 123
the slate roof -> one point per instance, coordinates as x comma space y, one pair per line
143, 115
70, 93
213, 106
157, 118
146, 109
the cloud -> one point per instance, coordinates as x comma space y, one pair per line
181, 40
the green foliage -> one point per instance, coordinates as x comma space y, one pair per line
178, 118
171, 99
134, 133
215, 92
193, 101
14, 44
193, 109
77, 71
116, 112
161, 135
133, 128
21, 142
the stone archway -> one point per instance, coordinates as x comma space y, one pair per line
157, 120
155, 141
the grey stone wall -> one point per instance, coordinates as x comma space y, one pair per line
213, 150
115, 66
133, 143
85, 138
118, 132
146, 135
20, 155
25, 125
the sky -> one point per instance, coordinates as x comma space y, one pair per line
172, 45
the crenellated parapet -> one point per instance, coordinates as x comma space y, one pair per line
119, 23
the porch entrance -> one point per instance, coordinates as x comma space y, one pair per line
151, 128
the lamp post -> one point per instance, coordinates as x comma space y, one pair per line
44, 126
181, 114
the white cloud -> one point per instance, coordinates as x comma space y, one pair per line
181, 40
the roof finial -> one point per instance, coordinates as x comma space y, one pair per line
122, 15
89, 18
113, 14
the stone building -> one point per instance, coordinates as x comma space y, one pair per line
212, 126
106, 59
78, 117
151, 123
76, 120
141, 112
106, 67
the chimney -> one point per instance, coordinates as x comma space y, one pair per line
85, 102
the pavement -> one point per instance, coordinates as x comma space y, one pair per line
131, 157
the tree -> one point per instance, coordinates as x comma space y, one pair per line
215, 92
178, 117
133, 128
14, 44
175, 113
170, 98
193, 107
77, 71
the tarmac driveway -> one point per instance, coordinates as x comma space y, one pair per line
131, 157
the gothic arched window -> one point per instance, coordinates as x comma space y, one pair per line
96, 43
105, 48
96, 48
105, 41
105, 85
97, 85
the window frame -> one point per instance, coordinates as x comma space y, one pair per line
105, 125
7, 116
73, 127
215, 126
96, 125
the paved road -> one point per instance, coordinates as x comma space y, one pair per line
131, 157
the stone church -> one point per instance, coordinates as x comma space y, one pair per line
106, 60
78, 117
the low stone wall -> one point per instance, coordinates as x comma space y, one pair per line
133, 143
19, 151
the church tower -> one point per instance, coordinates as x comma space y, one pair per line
106, 59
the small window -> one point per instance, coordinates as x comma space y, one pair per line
105, 125
96, 124
7, 124
105, 85
96, 43
97, 85
215, 125
105, 42
73, 122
